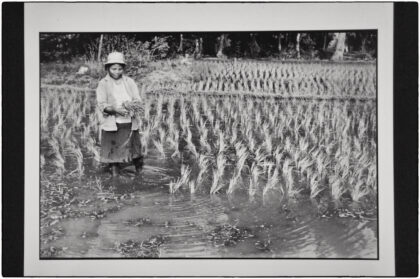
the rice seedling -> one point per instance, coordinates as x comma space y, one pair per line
42, 162
337, 187
159, 147
359, 189
217, 183
145, 134
221, 142
315, 186
79, 158
233, 182
203, 164
93, 149
291, 189
272, 182
192, 186
206, 147
254, 180
181, 181
242, 155
58, 160
190, 145
162, 135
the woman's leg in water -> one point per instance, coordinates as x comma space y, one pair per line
138, 163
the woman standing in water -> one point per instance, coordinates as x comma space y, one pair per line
120, 138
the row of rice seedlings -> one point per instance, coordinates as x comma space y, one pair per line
242, 155
244, 70
287, 135
69, 131
302, 144
282, 79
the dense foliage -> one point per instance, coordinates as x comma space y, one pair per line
306, 45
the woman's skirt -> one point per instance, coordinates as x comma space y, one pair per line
121, 146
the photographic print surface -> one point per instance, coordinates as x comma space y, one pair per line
239, 145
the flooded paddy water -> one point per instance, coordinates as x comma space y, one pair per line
137, 217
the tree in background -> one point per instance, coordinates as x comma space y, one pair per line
223, 42
161, 45
339, 44
254, 47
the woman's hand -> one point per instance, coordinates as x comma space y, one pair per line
110, 110
121, 111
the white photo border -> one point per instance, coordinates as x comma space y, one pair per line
164, 17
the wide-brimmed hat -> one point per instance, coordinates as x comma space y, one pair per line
115, 58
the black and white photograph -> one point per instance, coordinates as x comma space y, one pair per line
214, 144
209, 143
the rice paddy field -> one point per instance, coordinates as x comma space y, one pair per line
246, 159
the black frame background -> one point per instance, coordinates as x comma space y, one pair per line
405, 138
406, 70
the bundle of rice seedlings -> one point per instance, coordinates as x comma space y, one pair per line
252, 144
85, 132
204, 143
134, 108
337, 186
359, 190
58, 161
203, 164
92, 148
272, 182
233, 182
196, 115
42, 161
145, 138
260, 156
44, 117
159, 146
268, 142
234, 135
181, 181
217, 185
79, 158
159, 106
315, 186
162, 135
288, 177
183, 114
221, 142
190, 145
192, 186
173, 139
254, 180
242, 155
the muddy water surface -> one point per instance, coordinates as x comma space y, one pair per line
209, 226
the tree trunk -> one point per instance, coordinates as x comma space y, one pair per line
181, 43
100, 47
221, 46
279, 45
298, 45
339, 47
201, 46
363, 46
254, 48
197, 49
325, 41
